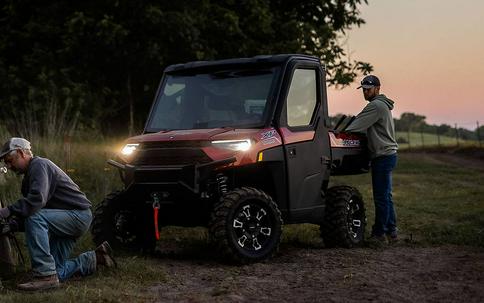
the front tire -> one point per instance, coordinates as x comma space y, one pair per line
246, 225
114, 221
345, 220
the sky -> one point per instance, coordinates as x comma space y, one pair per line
428, 54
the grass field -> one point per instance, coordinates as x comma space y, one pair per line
437, 203
417, 139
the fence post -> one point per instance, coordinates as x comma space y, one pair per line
408, 136
478, 134
421, 136
456, 134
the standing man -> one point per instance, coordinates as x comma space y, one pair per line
56, 213
377, 122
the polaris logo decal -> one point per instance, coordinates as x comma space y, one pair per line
269, 137
348, 142
268, 134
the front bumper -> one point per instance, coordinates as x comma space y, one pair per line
189, 176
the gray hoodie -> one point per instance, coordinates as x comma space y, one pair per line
45, 185
377, 122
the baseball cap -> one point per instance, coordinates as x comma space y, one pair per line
369, 82
13, 144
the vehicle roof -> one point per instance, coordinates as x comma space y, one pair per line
262, 59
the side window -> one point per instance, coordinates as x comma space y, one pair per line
301, 99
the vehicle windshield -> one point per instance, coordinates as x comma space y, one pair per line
227, 98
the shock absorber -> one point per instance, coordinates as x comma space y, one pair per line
222, 184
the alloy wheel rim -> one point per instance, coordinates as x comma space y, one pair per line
252, 227
354, 220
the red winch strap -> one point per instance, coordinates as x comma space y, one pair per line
157, 231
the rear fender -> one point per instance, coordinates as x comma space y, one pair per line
349, 154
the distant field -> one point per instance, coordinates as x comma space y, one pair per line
431, 140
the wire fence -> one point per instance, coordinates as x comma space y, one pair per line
437, 136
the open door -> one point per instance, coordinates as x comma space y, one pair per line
306, 143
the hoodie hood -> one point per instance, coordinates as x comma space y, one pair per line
377, 122
385, 100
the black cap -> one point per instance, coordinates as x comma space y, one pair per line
369, 82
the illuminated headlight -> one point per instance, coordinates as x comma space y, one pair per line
236, 145
128, 149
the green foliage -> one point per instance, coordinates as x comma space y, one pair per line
93, 64
410, 122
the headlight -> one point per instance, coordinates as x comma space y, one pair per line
236, 145
128, 149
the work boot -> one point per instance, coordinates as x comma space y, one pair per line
40, 283
392, 237
376, 241
104, 255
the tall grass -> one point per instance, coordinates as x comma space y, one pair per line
84, 161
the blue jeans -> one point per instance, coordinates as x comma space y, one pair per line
381, 176
50, 235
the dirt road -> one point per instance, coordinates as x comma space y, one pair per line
466, 159
391, 274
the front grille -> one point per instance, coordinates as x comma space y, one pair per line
157, 176
170, 156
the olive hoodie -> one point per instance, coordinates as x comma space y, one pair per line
377, 122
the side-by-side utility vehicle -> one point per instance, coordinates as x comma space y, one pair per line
240, 146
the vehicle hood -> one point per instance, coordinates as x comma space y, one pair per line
190, 135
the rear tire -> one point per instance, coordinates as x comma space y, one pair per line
345, 220
121, 226
246, 225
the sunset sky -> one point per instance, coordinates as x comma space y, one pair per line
429, 56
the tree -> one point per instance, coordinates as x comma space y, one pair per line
409, 121
104, 58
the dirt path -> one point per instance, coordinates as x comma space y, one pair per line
392, 274
466, 161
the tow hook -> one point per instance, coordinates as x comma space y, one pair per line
156, 208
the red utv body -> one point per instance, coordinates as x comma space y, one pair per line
239, 146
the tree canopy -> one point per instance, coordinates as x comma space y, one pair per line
92, 64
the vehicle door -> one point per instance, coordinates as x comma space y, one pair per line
305, 139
